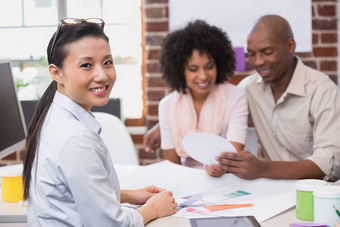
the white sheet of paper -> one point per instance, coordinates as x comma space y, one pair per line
270, 197
205, 147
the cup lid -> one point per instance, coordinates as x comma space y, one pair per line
308, 184
11, 171
327, 191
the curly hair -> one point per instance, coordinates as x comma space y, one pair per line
178, 46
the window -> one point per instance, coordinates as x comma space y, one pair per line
27, 25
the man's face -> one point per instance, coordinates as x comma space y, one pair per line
269, 55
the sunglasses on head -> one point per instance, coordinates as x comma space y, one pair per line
74, 21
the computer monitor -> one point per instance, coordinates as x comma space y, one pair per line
12, 123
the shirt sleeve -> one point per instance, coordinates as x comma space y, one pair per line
325, 112
164, 110
238, 124
94, 187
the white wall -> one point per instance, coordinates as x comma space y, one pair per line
236, 17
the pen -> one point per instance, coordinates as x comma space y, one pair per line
337, 211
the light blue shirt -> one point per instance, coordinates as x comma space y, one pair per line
75, 183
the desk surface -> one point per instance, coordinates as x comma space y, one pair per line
11, 212
15, 212
283, 219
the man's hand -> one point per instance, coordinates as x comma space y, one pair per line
242, 164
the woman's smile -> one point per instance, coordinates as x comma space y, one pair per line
99, 90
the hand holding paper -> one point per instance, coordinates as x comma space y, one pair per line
205, 147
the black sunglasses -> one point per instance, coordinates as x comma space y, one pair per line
74, 21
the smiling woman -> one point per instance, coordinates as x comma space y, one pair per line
196, 62
63, 132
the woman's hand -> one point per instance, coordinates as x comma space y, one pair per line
152, 139
215, 170
160, 205
139, 196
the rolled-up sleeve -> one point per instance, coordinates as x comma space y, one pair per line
325, 111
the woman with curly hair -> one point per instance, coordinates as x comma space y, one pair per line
196, 62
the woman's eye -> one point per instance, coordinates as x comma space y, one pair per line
86, 65
210, 66
109, 62
192, 69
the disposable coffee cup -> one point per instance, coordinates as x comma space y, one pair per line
327, 204
305, 198
11, 185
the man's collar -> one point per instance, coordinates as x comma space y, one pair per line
296, 84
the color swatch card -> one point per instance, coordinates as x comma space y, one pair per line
210, 199
205, 147
192, 200
227, 206
216, 197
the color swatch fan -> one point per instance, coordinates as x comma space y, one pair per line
205, 147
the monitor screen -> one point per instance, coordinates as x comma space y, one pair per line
12, 123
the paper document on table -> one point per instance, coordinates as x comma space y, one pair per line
192, 186
205, 147
261, 208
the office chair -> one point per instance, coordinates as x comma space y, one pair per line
117, 139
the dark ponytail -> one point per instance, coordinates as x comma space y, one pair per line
33, 135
